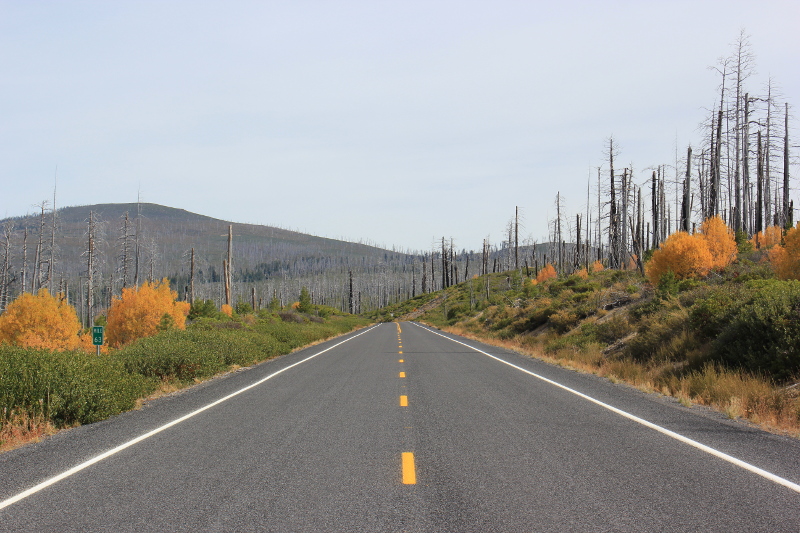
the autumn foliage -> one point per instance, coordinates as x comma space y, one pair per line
687, 256
720, 240
785, 258
597, 266
227, 309
42, 321
140, 312
548, 272
693, 256
767, 238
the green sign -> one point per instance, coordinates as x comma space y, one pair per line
97, 335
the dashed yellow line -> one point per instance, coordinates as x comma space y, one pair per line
409, 470
400, 361
402, 374
403, 401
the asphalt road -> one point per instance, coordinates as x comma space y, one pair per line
402, 429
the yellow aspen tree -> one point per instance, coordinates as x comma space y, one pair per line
785, 258
41, 321
548, 272
687, 256
140, 310
721, 241
768, 238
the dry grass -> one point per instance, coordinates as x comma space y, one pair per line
736, 394
21, 428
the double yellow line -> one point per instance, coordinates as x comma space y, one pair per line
407, 458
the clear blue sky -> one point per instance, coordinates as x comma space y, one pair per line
392, 122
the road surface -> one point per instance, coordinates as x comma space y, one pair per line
401, 428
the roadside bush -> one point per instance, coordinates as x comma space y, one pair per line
41, 321
762, 332
67, 387
664, 336
140, 310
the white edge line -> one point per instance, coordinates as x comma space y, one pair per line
96, 459
724, 456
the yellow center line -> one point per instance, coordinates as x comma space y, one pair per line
401, 351
409, 470
400, 361
403, 401
402, 374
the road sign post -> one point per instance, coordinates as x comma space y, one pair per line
97, 337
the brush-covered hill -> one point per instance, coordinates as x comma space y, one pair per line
730, 341
267, 260
167, 234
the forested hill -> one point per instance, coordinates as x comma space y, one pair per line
278, 259
178, 226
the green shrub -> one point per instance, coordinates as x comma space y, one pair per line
665, 336
563, 320
615, 328
243, 308
203, 308
66, 387
761, 332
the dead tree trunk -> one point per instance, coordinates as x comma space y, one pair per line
787, 214
229, 267
516, 238
191, 279
90, 268
686, 208
759, 186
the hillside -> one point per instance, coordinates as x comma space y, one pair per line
178, 230
272, 261
728, 341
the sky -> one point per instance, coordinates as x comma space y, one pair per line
393, 123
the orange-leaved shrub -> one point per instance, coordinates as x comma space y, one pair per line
767, 238
42, 321
140, 311
785, 258
548, 272
721, 241
227, 309
687, 256
597, 266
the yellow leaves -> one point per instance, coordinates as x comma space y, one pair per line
767, 238
786, 259
687, 256
227, 309
140, 311
41, 321
548, 272
692, 256
721, 241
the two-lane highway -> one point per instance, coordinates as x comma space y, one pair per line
400, 428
